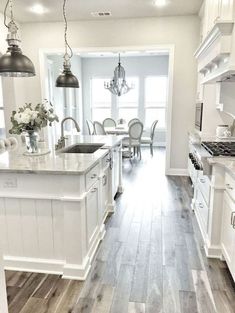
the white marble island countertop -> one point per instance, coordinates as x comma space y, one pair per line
13, 160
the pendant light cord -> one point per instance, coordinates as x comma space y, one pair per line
65, 34
5, 13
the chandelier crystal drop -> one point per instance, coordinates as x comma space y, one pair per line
66, 79
13, 63
118, 85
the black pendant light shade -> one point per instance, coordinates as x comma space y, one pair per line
13, 63
66, 79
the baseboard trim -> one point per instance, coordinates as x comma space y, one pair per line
33, 265
177, 172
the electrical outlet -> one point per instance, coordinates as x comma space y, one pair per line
10, 183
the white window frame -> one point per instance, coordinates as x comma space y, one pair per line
99, 107
156, 107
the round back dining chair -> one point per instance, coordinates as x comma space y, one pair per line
133, 120
99, 128
90, 127
109, 122
153, 128
135, 134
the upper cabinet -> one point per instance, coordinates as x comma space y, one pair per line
214, 11
216, 53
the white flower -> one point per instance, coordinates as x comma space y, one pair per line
34, 115
25, 118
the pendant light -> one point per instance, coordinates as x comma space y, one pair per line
13, 63
118, 85
66, 78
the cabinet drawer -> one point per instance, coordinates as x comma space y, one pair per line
230, 186
202, 210
205, 188
92, 176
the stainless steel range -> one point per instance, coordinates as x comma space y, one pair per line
220, 148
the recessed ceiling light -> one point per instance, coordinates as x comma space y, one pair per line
160, 3
38, 9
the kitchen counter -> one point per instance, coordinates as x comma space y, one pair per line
13, 160
228, 163
53, 207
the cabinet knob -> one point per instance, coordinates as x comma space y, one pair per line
202, 180
93, 176
229, 187
201, 205
94, 190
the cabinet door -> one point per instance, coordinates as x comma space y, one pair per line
104, 193
228, 232
92, 207
115, 171
226, 10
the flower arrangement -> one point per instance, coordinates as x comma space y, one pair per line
32, 118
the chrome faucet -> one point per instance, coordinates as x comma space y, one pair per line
61, 141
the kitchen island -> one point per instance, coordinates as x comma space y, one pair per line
53, 207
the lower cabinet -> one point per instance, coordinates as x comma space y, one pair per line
228, 232
92, 209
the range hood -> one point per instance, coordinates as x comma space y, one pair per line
216, 54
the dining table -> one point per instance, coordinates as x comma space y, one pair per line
117, 130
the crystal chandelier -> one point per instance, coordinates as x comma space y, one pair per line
118, 85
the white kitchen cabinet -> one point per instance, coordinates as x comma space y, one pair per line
104, 187
115, 171
226, 10
92, 209
214, 11
228, 231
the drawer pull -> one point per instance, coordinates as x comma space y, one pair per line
232, 218
201, 205
94, 190
93, 176
104, 180
229, 187
202, 180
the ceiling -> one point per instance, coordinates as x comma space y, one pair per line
81, 9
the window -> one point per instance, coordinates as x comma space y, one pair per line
128, 103
2, 120
100, 100
156, 89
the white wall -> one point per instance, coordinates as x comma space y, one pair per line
13, 88
183, 32
141, 66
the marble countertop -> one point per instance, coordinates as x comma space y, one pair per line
228, 163
12, 160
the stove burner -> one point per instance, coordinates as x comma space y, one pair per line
220, 148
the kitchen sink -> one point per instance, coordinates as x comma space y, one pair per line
82, 148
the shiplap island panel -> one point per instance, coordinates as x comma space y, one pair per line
52, 208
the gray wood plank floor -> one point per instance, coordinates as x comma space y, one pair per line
151, 260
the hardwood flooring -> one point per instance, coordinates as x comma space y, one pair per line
151, 260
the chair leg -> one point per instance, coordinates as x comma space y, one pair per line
140, 152
151, 149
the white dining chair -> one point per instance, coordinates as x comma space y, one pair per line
149, 140
99, 128
133, 120
109, 122
134, 139
90, 127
